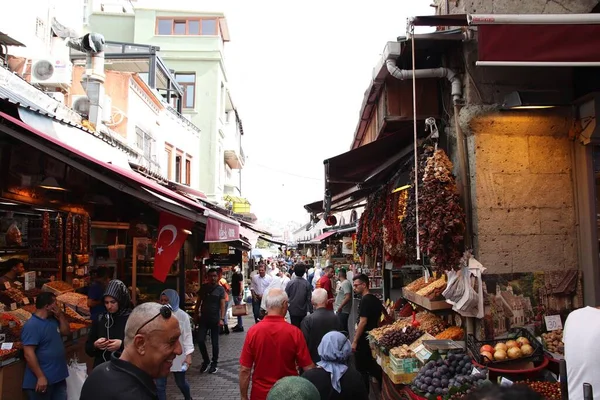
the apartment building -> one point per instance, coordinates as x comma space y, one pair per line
192, 44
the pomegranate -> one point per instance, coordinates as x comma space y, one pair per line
501, 346
522, 340
486, 347
512, 343
486, 357
514, 353
527, 350
500, 355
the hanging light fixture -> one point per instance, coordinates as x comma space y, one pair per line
50, 183
533, 99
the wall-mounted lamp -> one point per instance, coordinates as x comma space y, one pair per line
51, 183
534, 99
186, 231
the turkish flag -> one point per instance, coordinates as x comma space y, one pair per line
170, 238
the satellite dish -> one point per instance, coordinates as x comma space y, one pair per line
81, 106
43, 70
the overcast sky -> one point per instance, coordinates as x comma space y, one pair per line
297, 73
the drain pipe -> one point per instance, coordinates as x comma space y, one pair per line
456, 84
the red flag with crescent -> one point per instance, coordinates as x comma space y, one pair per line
171, 235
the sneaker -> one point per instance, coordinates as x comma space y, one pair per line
204, 367
238, 329
213, 369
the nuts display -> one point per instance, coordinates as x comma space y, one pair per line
553, 341
402, 352
438, 284
417, 285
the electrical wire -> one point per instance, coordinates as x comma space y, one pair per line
286, 173
414, 88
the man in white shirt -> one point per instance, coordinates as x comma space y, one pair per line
259, 284
581, 336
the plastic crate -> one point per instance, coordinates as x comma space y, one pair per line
474, 345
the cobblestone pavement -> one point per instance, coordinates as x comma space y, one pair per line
223, 385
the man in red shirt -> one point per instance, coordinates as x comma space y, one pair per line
325, 283
274, 348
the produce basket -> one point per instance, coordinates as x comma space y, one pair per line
536, 357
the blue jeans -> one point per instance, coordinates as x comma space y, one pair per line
237, 300
180, 381
56, 391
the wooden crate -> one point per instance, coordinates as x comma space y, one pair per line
424, 301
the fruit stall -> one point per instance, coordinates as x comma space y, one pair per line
16, 308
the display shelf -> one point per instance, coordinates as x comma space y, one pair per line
426, 303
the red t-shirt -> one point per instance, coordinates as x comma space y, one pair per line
274, 348
325, 283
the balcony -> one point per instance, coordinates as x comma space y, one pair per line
235, 158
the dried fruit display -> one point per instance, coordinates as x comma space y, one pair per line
6, 319
442, 217
30, 308
417, 285
15, 295
31, 293
452, 333
73, 316
402, 352
430, 323
57, 286
6, 354
553, 341
397, 337
21, 314
74, 326
437, 284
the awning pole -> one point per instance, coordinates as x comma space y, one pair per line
414, 88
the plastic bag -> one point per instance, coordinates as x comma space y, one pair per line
471, 303
455, 288
76, 379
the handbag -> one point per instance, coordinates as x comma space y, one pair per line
239, 310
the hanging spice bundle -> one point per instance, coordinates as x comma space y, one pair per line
442, 217
370, 227
393, 238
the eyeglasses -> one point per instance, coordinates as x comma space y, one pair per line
165, 311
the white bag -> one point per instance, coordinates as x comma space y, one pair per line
471, 303
76, 379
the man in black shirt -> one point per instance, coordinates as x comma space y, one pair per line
369, 314
211, 306
299, 292
151, 345
237, 291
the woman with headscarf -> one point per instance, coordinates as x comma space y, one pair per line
333, 377
108, 330
183, 361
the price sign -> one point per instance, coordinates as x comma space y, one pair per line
7, 285
29, 280
553, 322
7, 346
25, 300
13, 306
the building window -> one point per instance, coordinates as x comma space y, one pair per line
187, 81
169, 154
178, 169
187, 26
188, 171
144, 142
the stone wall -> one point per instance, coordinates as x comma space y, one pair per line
522, 190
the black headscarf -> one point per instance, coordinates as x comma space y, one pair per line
117, 290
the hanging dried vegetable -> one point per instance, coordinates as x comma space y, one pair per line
370, 224
442, 224
45, 230
393, 236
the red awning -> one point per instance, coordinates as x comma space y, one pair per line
218, 231
539, 44
322, 237
128, 174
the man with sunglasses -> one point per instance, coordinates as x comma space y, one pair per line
151, 345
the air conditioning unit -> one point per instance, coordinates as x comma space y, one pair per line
81, 105
52, 73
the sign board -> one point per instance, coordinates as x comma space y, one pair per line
30, 280
347, 245
7, 346
553, 322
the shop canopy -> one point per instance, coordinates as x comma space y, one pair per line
350, 177
569, 40
117, 176
322, 237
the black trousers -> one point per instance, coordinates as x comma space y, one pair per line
203, 329
366, 364
296, 320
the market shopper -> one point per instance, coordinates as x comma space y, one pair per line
183, 361
582, 333
210, 313
108, 329
334, 377
44, 351
293, 387
319, 323
325, 283
96, 293
12, 268
343, 300
223, 282
299, 293
272, 350
151, 344
369, 314
237, 292
258, 285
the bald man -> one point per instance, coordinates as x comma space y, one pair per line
151, 344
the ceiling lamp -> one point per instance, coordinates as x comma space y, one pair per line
533, 99
51, 183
